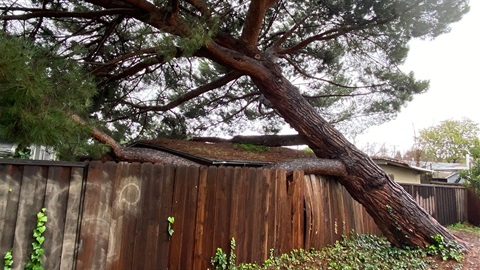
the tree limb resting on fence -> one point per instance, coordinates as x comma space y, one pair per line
133, 154
313, 166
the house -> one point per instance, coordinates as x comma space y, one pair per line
38, 152
444, 172
7, 149
228, 154
402, 172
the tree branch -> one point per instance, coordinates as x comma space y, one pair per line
184, 98
327, 35
254, 20
300, 70
313, 166
132, 154
41, 13
107, 34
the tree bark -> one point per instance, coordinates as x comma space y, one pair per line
397, 215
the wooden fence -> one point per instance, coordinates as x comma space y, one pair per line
24, 191
116, 216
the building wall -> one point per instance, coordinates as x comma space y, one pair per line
402, 175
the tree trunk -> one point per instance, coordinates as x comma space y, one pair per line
397, 215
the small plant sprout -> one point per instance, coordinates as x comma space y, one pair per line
8, 260
170, 220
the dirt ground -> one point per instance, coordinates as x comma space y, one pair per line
472, 258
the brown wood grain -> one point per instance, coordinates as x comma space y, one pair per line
32, 196
72, 218
56, 198
166, 199
10, 186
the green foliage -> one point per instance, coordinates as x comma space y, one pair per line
446, 250
8, 260
38, 92
465, 227
450, 141
350, 76
35, 262
220, 260
251, 147
171, 221
357, 252
472, 176
22, 152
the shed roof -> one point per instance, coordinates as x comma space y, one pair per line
398, 163
224, 153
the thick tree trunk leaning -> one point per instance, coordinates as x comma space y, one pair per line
397, 215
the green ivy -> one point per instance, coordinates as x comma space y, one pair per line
170, 220
8, 260
35, 262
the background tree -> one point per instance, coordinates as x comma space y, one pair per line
472, 174
450, 141
38, 92
208, 66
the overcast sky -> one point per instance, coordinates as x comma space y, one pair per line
451, 63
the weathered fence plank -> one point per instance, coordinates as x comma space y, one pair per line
95, 227
32, 196
56, 196
72, 219
10, 186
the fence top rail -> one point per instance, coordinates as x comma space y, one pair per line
434, 185
30, 162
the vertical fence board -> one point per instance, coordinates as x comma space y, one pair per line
72, 219
308, 211
142, 220
178, 207
56, 197
129, 202
10, 186
190, 210
297, 209
95, 225
32, 197
166, 200
240, 226
221, 225
270, 211
236, 203
199, 261
206, 247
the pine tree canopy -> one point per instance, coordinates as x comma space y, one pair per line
156, 75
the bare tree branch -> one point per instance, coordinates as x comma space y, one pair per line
300, 70
184, 98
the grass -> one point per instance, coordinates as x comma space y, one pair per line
465, 227
357, 252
